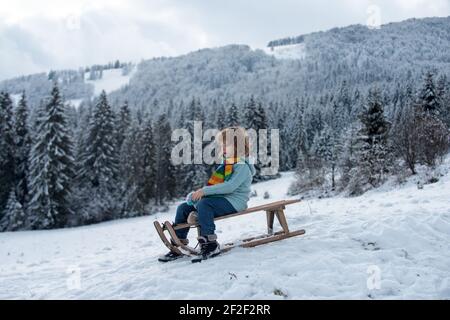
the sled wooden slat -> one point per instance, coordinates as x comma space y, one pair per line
274, 206
173, 235
257, 241
167, 243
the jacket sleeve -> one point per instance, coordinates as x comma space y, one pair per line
241, 172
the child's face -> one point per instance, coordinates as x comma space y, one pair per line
227, 149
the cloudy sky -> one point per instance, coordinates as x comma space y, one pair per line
39, 35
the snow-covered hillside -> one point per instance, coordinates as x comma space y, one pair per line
111, 80
400, 237
291, 51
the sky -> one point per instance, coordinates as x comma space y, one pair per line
37, 36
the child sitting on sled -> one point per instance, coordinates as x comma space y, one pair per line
227, 191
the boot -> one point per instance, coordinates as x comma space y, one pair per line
172, 255
209, 247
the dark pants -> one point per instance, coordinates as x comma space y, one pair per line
207, 209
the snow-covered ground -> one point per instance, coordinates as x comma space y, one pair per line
387, 244
292, 51
111, 80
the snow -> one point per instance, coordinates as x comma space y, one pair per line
111, 80
74, 102
15, 98
400, 233
291, 51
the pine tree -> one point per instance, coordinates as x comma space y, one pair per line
14, 217
296, 134
192, 176
164, 173
250, 112
373, 150
428, 97
134, 149
52, 167
342, 107
221, 119
7, 149
148, 183
23, 146
233, 116
260, 118
443, 92
348, 160
99, 170
327, 149
100, 165
124, 121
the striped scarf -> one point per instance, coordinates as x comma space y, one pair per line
223, 171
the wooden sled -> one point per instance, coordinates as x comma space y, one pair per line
274, 209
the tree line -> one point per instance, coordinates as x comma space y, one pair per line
62, 166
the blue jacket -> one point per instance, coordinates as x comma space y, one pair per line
236, 189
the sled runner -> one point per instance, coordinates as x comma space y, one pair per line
274, 209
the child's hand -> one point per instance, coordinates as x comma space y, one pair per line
197, 195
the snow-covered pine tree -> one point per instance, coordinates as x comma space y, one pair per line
192, 176
443, 92
373, 151
442, 87
285, 125
296, 133
51, 167
233, 118
313, 123
124, 120
256, 119
99, 169
14, 217
433, 132
348, 157
342, 107
180, 170
148, 185
406, 130
7, 149
101, 163
428, 97
433, 137
250, 111
261, 121
221, 118
327, 148
23, 147
165, 183
131, 168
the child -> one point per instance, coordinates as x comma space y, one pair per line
227, 192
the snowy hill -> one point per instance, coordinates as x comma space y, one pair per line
401, 234
391, 55
291, 51
111, 80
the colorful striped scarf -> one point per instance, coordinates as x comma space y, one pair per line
223, 171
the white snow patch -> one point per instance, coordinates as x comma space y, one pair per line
74, 102
404, 233
292, 51
111, 80
15, 98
